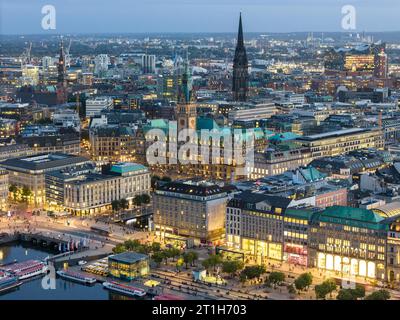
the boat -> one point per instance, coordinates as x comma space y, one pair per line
124, 289
27, 269
76, 276
167, 297
8, 283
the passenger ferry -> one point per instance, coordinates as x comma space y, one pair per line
8, 283
124, 289
27, 269
167, 297
76, 276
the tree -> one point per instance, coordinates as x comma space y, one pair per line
115, 205
155, 247
303, 281
359, 291
187, 258
351, 294
212, 261
345, 294
252, 272
194, 257
379, 295
132, 245
326, 287
173, 253
26, 193
276, 278
232, 267
158, 257
137, 200
13, 189
190, 257
145, 198
119, 248
123, 204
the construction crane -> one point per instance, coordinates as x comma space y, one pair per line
26, 55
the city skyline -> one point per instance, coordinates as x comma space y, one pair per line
273, 16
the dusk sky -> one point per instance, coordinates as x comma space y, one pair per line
97, 16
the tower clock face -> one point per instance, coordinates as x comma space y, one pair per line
192, 122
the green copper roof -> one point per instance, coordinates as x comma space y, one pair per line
305, 214
125, 167
159, 124
284, 136
355, 217
311, 174
206, 123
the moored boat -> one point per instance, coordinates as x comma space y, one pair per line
8, 283
76, 276
167, 297
124, 289
27, 269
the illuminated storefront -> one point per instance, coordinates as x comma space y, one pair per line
349, 266
128, 265
295, 254
262, 250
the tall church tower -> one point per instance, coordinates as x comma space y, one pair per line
61, 77
186, 112
240, 68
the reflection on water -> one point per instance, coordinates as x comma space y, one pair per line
32, 289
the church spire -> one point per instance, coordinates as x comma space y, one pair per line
240, 41
240, 68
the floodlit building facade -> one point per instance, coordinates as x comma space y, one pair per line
191, 209
29, 172
85, 192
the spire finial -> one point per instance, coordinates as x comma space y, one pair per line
240, 32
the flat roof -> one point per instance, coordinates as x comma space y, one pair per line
43, 161
124, 167
128, 257
332, 134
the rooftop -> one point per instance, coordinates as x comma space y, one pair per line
333, 134
43, 161
125, 167
201, 189
356, 217
128, 257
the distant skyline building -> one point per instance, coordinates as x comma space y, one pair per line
61, 77
149, 63
101, 63
240, 68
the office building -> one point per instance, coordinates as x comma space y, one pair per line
190, 209
98, 104
29, 172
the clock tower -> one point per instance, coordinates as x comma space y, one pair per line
186, 112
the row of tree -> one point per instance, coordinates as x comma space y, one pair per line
157, 254
122, 204
24, 193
